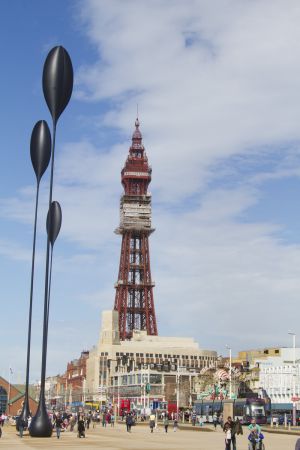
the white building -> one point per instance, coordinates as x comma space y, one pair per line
280, 375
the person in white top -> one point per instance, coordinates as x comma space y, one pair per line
228, 432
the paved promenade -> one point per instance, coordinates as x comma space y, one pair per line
139, 439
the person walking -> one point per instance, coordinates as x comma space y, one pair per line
228, 432
236, 429
58, 425
104, 420
81, 427
22, 425
166, 422
72, 423
194, 418
215, 420
128, 422
152, 422
175, 425
112, 420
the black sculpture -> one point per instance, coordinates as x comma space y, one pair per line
40, 152
54, 217
57, 87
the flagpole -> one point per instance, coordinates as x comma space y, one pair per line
9, 384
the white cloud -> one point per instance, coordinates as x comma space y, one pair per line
217, 88
233, 88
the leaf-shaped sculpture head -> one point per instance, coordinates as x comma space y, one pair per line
57, 81
40, 148
53, 224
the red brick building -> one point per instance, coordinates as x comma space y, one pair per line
72, 383
12, 398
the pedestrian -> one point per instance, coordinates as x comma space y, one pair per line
254, 426
128, 422
236, 429
215, 420
22, 424
152, 422
72, 423
166, 423
221, 420
104, 420
112, 420
58, 425
228, 432
175, 424
81, 427
194, 418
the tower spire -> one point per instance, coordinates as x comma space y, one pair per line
134, 288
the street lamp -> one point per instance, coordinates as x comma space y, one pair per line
294, 345
293, 375
230, 379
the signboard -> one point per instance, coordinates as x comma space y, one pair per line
101, 389
295, 399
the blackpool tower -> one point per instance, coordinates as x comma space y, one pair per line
134, 288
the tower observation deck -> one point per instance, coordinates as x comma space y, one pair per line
134, 288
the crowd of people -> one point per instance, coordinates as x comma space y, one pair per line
80, 422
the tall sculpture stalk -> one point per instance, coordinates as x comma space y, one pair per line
40, 152
57, 87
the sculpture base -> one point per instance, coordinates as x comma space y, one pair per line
41, 425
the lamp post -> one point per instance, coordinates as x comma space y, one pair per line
294, 347
177, 391
293, 375
108, 380
230, 376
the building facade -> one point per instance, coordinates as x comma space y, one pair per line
120, 370
12, 399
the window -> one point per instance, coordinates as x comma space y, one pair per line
3, 400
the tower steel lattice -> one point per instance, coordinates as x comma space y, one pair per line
134, 288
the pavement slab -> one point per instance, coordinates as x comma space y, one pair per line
139, 439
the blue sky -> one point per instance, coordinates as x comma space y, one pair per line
219, 106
